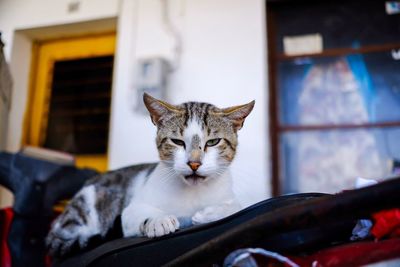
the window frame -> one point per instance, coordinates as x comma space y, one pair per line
276, 128
45, 54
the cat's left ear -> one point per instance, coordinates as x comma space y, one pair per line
157, 108
237, 114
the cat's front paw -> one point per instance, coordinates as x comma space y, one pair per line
207, 215
159, 226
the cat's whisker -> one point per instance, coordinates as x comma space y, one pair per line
220, 169
166, 169
167, 176
168, 162
167, 179
165, 172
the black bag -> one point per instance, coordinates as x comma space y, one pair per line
159, 251
287, 224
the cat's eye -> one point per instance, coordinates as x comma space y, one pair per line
213, 142
178, 142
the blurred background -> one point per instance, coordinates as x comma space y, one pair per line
325, 76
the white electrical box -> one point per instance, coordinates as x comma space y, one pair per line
152, 79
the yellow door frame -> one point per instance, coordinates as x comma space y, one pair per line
45, 55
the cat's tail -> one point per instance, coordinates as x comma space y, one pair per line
76, 225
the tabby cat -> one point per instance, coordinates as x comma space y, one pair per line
196, 143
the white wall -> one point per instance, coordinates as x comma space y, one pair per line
26, 14
23, 21
223, 62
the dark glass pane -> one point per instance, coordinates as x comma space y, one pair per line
341, 23
80, 106
340, 90
330, 161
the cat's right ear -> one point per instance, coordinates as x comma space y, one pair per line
157, 108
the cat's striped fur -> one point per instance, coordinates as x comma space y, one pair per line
196, 144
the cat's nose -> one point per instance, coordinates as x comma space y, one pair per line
194, 165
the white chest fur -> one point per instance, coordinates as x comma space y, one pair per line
173, 196
161, 196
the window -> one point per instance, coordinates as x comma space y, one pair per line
71, 97
80, 106
335, 115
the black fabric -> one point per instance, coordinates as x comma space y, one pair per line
37, 185
159, 251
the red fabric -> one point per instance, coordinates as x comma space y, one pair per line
6, 216
387, 223
354, 254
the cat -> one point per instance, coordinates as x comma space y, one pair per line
196, 143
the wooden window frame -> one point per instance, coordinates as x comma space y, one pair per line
45, 54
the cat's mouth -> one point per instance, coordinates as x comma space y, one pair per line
194, 179
194, 176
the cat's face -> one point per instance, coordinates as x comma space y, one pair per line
197, 140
